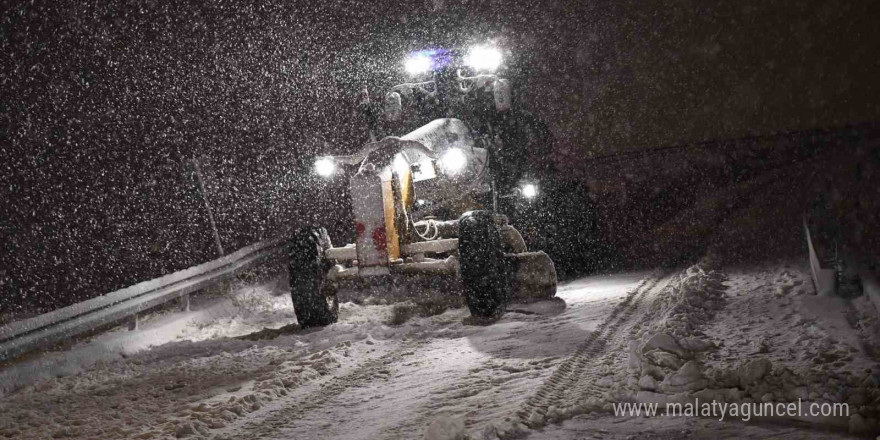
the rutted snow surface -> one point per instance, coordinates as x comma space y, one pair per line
184, 374
359, 378
756, 336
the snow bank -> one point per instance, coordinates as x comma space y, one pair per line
230, 313
678, 353
662, 356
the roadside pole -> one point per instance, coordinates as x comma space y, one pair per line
184, 304
204, 193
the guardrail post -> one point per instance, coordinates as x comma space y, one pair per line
133, 322
183, 302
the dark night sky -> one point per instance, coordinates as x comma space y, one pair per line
102, 101
651, 73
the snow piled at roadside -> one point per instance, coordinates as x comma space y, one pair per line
676, 353
238, 311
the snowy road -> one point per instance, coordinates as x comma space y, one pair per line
394, 387
358, 379
191, 375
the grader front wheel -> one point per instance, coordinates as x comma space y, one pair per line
484, 271
314, 300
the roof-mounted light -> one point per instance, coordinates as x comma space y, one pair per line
483, 58
417, 64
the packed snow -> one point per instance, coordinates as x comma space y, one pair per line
749, 336
550, 369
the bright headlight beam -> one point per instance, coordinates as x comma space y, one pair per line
484, 58
417, 64
325, 167
453, 161
529, 190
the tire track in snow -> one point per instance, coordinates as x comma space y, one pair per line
283, 416
489, 388
576, 376
476, 393
478, 374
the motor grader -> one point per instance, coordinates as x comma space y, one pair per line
425, 204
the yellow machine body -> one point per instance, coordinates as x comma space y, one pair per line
397, 198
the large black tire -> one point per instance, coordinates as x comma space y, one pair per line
314, 299
484, 271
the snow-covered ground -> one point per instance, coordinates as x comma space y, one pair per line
547, 369
242, 310
745, 336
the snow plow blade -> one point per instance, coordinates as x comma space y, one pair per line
533, 278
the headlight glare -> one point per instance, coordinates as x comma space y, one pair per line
325, 167
484, 58
417, 64
453, 161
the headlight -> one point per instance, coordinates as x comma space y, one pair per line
453, 161
529, 190
484, 58
400, 165
418, 63
325, 167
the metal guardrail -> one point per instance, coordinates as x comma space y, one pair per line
20, 337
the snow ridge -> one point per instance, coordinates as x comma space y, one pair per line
660, 354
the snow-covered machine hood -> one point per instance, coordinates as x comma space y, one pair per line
440, 137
